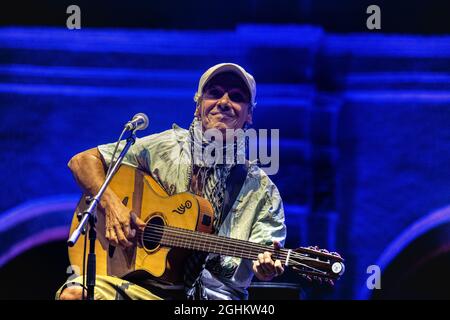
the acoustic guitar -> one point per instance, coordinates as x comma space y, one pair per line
174, 225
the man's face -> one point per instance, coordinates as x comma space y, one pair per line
225, 103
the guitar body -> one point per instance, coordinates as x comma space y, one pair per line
141, 193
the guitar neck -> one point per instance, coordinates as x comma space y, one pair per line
187, 239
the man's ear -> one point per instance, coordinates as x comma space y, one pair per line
249, 119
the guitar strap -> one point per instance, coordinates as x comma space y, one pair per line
235, 181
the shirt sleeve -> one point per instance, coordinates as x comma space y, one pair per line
269, 224
137, 156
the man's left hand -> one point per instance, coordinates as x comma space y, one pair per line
265, 268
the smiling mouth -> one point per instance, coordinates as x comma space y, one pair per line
225, 115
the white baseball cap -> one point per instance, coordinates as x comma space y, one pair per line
223, 67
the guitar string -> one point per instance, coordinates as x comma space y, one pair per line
203, 236
232, 244
207, 247
245, 255
249, 256
197, 242
179, 241
211, 237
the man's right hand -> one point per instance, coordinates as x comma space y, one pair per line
121, 225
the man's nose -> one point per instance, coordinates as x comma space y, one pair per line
225, 101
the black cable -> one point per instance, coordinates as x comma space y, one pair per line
84, 264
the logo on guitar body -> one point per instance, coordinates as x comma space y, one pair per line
182, 207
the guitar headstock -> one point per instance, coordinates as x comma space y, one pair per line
316, 263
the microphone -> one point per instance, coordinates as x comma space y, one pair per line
139, 122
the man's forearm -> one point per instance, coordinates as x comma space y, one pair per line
89, 172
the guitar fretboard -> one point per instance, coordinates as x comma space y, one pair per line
187, 239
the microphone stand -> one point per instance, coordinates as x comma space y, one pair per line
90, 215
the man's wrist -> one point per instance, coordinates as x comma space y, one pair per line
108, 200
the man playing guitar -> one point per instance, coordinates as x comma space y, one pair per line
225, 100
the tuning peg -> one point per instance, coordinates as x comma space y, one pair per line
329, 282
318, 279
335, 254
338, 268
306, 277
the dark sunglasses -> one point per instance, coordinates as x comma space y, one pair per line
236, 95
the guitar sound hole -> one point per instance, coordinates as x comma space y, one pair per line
153, 233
